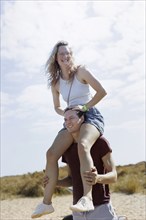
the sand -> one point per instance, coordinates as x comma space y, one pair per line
133, 206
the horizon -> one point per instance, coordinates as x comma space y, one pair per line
38, 171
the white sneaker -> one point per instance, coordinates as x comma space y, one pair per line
83, 205
42, 209
122, 217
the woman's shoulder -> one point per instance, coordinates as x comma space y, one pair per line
81, 68
83, 73
56, 86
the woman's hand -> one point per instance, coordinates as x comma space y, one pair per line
77, 107
83, 108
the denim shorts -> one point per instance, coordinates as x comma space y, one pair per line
94, 117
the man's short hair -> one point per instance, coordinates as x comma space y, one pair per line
79, 112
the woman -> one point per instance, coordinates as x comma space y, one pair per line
72, 82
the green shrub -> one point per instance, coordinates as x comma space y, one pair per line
31, 189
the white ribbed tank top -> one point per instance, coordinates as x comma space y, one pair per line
79, 94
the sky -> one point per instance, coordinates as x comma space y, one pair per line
108, 37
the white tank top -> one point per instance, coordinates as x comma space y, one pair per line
79, 94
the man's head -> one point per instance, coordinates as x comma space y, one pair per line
73, 119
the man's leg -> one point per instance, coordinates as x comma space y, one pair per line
104, 211
68, 217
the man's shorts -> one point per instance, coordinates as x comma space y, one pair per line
101, 212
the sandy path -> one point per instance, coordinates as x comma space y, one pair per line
133, 206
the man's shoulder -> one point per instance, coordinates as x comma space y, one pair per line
101, 147
102, 141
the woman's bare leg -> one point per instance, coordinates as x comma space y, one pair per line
88, 135
59, 146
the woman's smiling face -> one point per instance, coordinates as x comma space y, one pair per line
63, 55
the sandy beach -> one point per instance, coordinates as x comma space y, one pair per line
133, 206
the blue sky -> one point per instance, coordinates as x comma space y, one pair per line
108, 37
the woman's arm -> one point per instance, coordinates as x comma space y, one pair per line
85, 76
56, 100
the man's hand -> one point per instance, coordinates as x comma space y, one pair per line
45, 181
91, 176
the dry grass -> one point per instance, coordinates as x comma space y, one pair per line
131, 179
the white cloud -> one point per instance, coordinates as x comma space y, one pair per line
109, 104
34, 100
46, 22
110, 8
131, 22
92, 30
42, 126
134, 93
31, 101
113, 85
7, 101
16, 77
137, 69
115, 57
42, 25
130, 126
34, 95
6, 98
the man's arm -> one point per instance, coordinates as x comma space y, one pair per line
111, 175
67, 181
92, 177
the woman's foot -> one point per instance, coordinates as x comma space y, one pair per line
85, 204
42, 209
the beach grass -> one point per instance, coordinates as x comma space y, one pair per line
131, 179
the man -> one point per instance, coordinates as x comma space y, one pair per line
99, 177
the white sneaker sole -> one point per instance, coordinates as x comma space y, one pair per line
39, 215
80, 210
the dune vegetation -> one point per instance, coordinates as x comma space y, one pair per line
131, 179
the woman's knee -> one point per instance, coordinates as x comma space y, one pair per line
83, 148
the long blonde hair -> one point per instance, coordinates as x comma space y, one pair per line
52, 67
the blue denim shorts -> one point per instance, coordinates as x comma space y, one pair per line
94, 117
